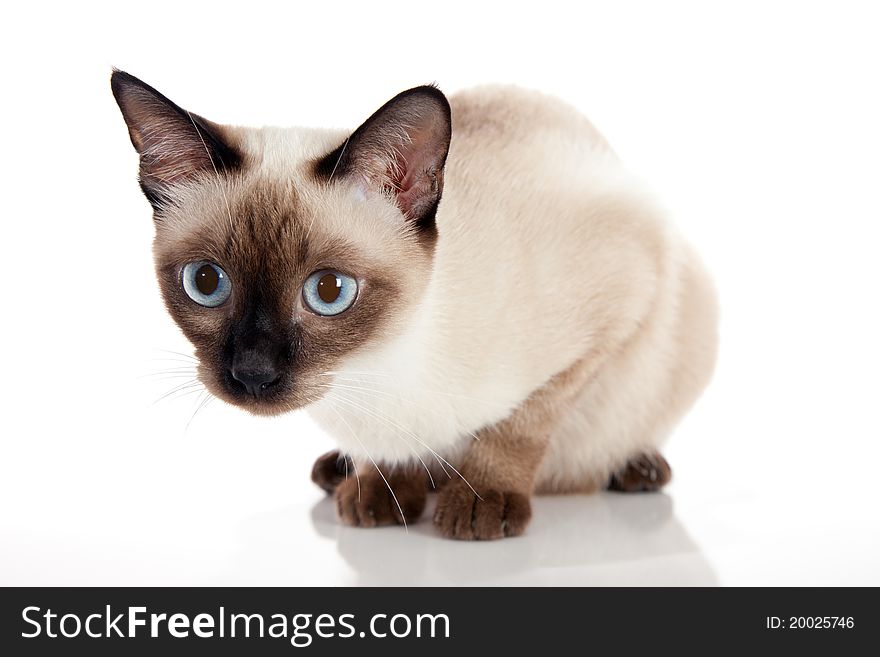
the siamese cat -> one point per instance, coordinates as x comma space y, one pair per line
470, 294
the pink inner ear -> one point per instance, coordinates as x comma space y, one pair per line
413, 173
400, 152
171, 147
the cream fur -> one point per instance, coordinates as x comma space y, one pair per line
549, 252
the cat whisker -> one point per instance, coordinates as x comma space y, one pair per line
420, 441
343, 375
356, 476
353, 404
329, 180
417, 455
384, 393
207, 400
216, 171
175, 364
353, 464
169, 378
180, 394
351, 379
171, 373
338, 159
194, 383
179, 353
376, 465
175, 359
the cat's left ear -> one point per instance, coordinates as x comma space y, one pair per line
400, 151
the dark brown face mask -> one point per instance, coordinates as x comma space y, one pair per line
270, 299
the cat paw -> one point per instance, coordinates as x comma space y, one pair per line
369, 503
645, 473
330, 470
460, 514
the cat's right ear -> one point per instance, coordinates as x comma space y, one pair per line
175, 145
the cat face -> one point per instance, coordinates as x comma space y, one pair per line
280, 253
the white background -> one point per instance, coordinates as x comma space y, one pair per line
757, 123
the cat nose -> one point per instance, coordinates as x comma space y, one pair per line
256, 380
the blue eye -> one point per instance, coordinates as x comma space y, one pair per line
329, 292
206, 284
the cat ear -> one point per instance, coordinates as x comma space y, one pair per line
174, 144
400, 151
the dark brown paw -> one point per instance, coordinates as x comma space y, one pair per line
644, 473
371, 504
462, 515
330, 469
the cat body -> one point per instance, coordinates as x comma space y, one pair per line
549, 255
541, 327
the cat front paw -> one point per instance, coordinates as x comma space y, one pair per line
369, 502
462, 515
330, 470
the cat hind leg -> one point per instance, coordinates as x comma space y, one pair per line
644, 473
